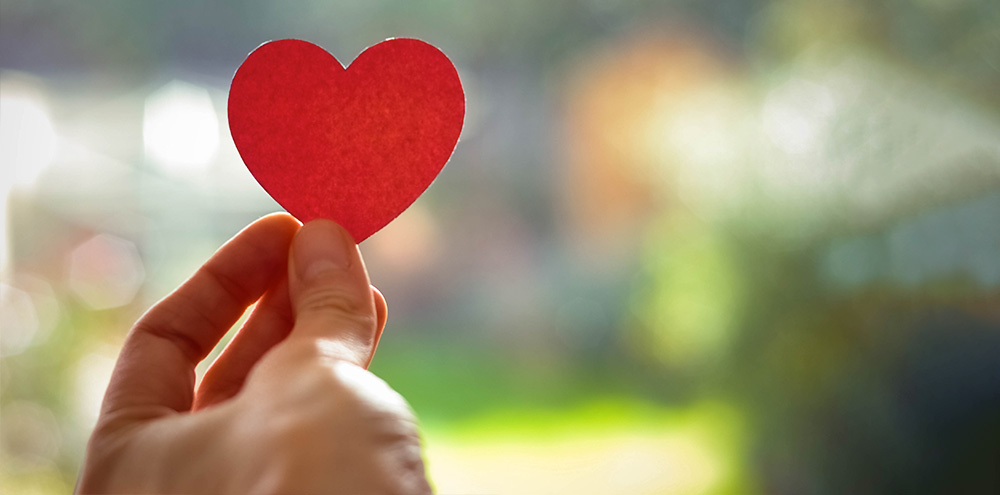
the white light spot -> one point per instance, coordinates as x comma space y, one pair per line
180, 128
28, 141
93, 372
796, 115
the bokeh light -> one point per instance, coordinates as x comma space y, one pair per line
92, 376
180, 128
105, 272
796, 116
30, 312
20, 319
28, 140
688, 310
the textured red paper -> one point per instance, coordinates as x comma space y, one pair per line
357, 146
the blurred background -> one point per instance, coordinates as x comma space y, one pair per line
683, 247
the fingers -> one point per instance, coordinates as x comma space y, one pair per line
155, 371
333, 303
268, 325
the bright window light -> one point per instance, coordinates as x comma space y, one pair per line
180, 128
28, 141
796, 115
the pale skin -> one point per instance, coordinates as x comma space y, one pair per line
287, 407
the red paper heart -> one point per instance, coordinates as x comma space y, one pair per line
355, 145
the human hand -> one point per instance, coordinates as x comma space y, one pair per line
288, 407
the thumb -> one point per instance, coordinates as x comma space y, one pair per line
330, 293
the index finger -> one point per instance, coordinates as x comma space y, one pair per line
155, 371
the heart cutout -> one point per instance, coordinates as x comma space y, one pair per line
355, 145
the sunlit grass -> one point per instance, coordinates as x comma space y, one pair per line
610, 445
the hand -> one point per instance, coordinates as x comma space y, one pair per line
288, 407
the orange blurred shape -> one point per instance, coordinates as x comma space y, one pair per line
615, 180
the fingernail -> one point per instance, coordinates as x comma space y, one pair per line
322, 246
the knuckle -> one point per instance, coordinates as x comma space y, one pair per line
333, 411
411, 474
372, 395
333, 298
